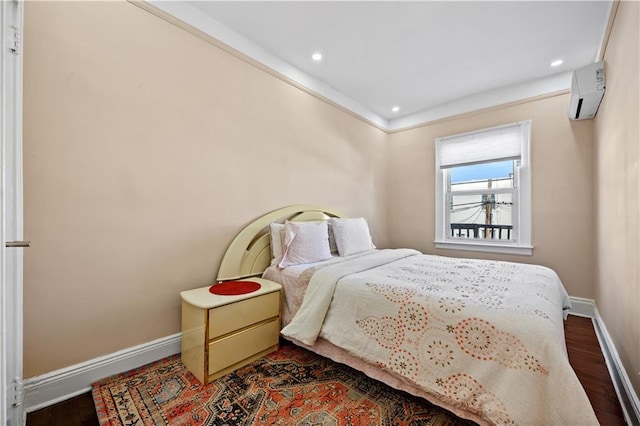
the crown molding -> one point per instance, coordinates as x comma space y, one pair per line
244, 48
526, 91
194, 21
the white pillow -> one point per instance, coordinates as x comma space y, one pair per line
305, 242
352, 235
277, 242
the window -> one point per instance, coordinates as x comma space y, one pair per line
483, 190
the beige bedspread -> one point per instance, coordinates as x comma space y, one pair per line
482, 338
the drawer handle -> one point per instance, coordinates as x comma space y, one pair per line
24, 244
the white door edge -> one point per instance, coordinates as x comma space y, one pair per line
11, 214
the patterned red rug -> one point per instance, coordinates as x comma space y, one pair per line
291, 386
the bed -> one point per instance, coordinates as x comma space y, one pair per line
482, 339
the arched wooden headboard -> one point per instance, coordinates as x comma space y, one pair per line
249, 254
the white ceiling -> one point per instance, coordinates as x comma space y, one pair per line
432, 59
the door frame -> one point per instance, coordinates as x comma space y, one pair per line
11, 214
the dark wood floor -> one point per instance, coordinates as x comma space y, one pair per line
584, 354
588, 362
77, 411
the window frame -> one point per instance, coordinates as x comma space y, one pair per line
521, 233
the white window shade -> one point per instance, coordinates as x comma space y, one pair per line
495, 144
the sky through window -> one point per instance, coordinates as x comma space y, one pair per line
494, 170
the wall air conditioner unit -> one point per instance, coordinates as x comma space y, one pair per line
587, 90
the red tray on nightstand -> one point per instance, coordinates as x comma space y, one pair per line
234, 288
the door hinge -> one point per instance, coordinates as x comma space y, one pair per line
15, 41
16, 392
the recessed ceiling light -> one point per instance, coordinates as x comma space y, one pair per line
317, 56
395, 109
556, 63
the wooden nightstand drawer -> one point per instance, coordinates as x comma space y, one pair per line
239, 346
235, 316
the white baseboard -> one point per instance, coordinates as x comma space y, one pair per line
50, 388
621, 382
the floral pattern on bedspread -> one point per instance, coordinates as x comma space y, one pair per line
482, 336
476, 337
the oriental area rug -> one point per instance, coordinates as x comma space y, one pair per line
291, 386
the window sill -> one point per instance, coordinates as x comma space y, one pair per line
504, 248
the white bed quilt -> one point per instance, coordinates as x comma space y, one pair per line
482, 338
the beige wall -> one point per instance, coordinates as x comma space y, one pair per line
617, 135
562, 192
146, 150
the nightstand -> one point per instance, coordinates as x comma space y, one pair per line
222, 333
